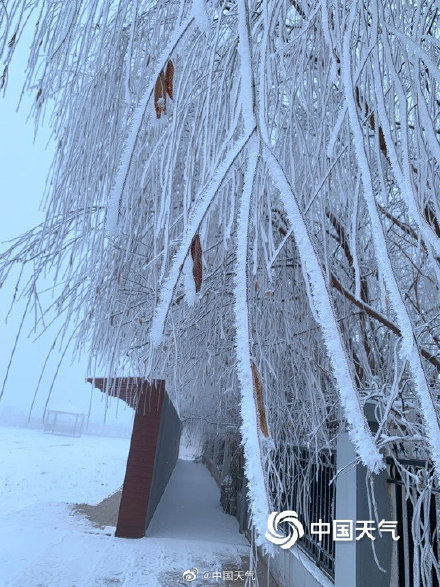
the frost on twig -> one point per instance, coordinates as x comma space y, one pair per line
322, 271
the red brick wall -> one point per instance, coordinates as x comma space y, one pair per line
140, 462
147, 400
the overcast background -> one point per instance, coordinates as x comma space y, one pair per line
24, 165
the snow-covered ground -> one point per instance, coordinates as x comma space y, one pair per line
43, 542
40, 468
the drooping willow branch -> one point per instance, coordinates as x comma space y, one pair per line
340, 99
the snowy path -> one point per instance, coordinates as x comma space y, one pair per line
43, 543
190, 509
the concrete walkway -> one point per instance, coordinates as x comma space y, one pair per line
190, 509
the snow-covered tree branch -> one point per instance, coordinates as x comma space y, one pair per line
286, 155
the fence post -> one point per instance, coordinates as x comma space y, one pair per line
346, 509
354, 561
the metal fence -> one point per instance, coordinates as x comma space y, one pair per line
417, 502
296, 482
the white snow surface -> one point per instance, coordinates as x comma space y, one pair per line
37, 467
43, 542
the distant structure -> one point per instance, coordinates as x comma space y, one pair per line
154, 449
64, 420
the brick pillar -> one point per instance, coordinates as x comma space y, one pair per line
140, 462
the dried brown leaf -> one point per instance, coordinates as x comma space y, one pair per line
258, 391
196, 254
160, 95
169, 76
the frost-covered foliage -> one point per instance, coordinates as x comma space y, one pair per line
301, 150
